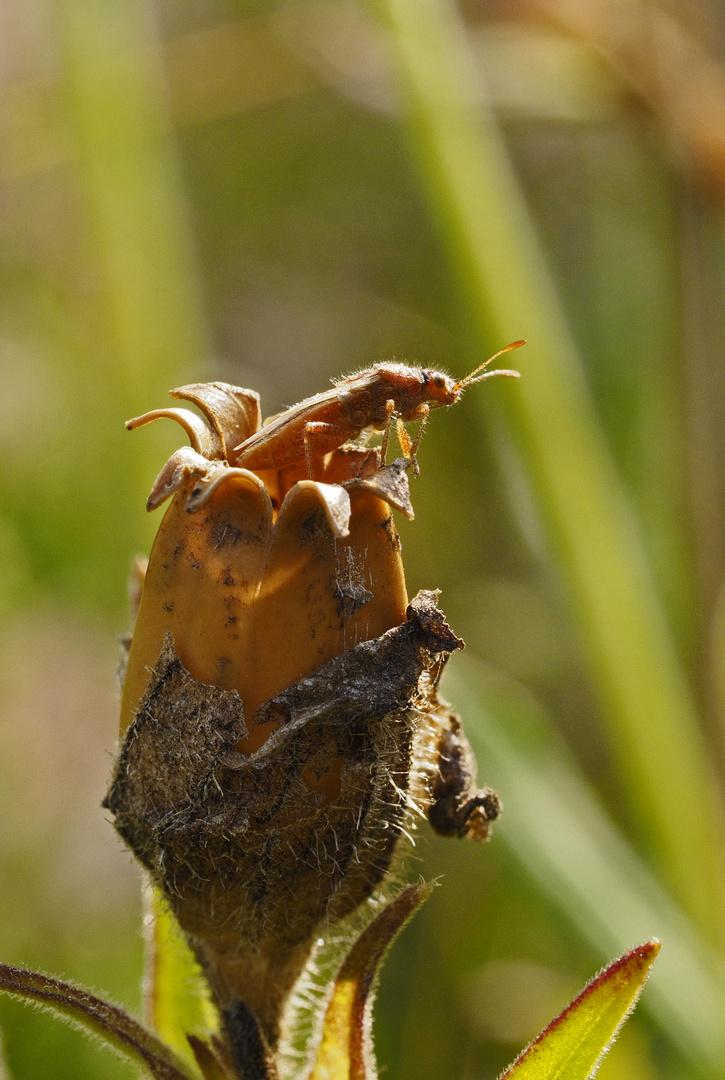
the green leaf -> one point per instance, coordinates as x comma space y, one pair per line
176, 997
345, 1052
96, 1017
574, 1043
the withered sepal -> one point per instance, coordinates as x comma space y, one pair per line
457, 808
369, 682
255, 853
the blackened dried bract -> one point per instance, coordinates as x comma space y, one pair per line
244, 839
248, 1049
457, 808
253, 852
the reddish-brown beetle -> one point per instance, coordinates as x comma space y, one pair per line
367, 399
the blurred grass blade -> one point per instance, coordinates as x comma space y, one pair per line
4, 1071
134, 186
502, 276
176, 997
346, 1051
106, 1022
146, 315
573, 1044
557, 830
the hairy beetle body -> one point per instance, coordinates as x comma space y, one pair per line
369, 399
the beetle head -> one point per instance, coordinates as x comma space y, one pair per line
480, 373
439, 389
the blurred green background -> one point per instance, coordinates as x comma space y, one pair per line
278, 193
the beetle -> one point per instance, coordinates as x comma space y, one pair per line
373, 398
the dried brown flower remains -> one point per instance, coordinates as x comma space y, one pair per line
281, 725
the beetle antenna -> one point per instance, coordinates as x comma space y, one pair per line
474, 376
489, 375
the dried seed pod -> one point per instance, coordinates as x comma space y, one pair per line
280, 718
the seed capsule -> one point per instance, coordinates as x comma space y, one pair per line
280, 720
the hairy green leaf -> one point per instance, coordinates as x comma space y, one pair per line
107, 1022
574, 1043
345, 1052
176, 997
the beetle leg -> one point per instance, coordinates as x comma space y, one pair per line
320, 439
389, 414
404, 438
406, 446
410, 449
424, 412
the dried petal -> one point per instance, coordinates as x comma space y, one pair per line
232, 412
183, 466
389, 483
211, 480
336, 504
203, 438
203, 578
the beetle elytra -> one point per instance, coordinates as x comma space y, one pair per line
369, 399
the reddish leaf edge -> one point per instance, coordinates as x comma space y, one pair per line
641, 956
367, 954
361, 969
112, 1025
211, 1066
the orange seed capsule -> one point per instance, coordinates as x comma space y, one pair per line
280, 722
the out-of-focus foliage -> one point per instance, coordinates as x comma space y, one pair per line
259, 192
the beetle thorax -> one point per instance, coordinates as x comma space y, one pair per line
411, 387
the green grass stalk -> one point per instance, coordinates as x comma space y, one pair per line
503, 278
